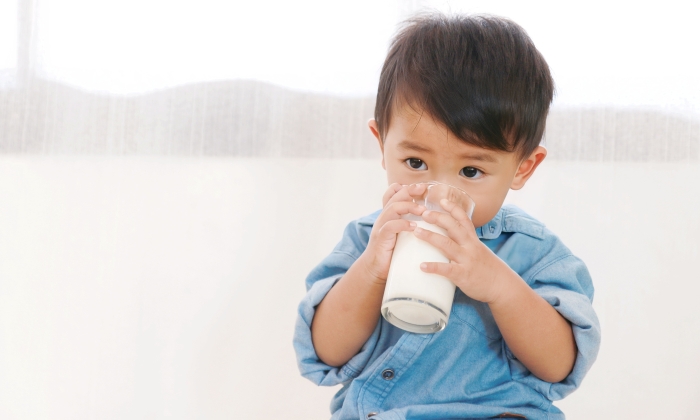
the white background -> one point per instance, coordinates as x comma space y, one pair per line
148, 288
610, 52
153, 288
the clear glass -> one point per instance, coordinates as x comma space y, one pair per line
413, 300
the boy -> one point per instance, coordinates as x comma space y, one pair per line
463, 101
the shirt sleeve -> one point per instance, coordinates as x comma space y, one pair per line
566, 285
318, 283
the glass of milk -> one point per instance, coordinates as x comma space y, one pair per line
413, 300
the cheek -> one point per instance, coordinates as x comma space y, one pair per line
392, 172
483, 213
487, 206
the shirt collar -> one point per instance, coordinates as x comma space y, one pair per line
492, 229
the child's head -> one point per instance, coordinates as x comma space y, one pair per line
463, 100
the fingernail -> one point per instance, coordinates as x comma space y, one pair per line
423, 266
418, 230
426, 213
413, 224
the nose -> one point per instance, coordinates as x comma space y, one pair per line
447, 180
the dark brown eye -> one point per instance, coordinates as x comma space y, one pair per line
416, 163
471, 172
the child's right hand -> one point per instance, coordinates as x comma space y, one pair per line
398, 201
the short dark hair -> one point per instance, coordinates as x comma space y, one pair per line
479, 75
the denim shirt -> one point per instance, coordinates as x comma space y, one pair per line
465, 371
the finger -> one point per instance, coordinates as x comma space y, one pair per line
417, 190
398, 209
449, 270
457, 212
408, 193
400, 195
446, 245
393, 189
393, 227
454, 229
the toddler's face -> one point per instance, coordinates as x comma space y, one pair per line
417, 148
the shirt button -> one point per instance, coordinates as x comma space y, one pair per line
388, 374
372, 414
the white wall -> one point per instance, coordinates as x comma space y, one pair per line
166, 288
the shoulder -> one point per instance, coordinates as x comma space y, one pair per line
349, 248
515, 219
368, 220
356, 235
544, 257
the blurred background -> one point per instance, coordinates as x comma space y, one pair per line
170, 171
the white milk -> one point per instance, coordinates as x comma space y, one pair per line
408, 288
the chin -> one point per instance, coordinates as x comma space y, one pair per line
483, 218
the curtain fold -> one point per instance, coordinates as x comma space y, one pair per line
101, 80
257, 119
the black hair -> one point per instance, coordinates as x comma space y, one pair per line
481, 76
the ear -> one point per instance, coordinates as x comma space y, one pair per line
527, 167
374, 128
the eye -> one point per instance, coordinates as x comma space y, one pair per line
471, 172
416, 164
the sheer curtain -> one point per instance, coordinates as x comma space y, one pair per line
170, 171
281, 79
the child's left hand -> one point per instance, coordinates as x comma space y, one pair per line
472, 267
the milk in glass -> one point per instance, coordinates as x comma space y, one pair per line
414, 300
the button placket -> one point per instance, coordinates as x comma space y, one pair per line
377, 387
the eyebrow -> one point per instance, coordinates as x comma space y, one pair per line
409, 145
483, 157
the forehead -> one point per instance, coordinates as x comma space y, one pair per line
413, 123
412, 129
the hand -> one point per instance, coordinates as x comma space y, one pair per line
398, 201
472, 267
536, 333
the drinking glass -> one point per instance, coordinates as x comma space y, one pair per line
414, 300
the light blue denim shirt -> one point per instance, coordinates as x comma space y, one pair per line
465, 371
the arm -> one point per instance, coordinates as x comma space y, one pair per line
347, 316
536, 333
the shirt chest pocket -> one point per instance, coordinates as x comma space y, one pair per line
475, 315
